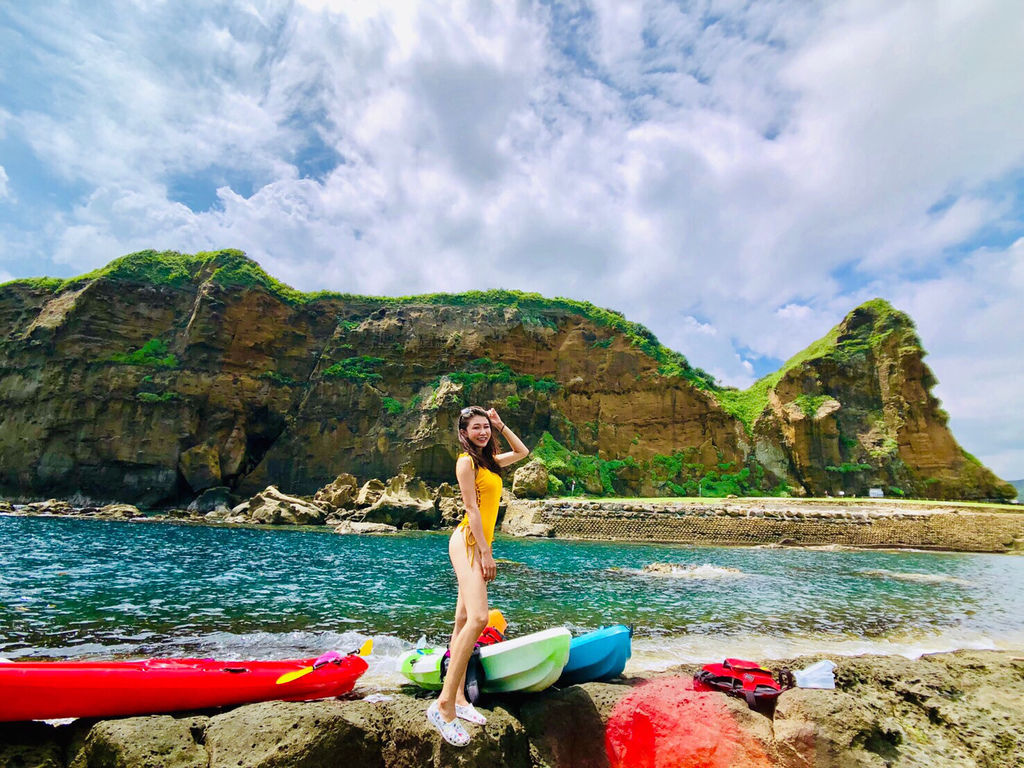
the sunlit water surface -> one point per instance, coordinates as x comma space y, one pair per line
97, 589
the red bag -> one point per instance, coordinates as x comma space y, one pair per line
744, 679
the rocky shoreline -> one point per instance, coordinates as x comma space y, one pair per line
953, 709
406, 502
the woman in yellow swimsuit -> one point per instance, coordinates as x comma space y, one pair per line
478, 469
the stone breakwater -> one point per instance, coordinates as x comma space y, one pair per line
939, 526
951, 709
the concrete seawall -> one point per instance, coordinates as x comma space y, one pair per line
939, 526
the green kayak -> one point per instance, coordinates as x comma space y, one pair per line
529, 663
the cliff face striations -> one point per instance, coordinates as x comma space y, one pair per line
165, 374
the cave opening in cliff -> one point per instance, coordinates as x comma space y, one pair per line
263, 428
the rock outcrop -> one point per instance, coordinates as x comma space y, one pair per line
340, 494
271, 507
855, 410
531, 481
405, 502
163, 375
941, 711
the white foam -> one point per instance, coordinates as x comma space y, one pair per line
703, 572
655, 654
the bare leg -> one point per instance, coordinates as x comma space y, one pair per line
473, 594
460, 623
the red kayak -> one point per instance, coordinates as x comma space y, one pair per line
46, 690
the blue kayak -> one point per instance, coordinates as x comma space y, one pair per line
597, 655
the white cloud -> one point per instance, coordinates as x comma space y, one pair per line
762, 167
5, 192
794, 312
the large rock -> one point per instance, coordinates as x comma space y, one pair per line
406, 501
160, 741
665, 719
523, 518
30, 745
448, 500
50, 507
340, 494
414, 743
567, 727
353, 526
939, 711
531, 481
211, 500
118, 512
297, 735
371, 491
271, 507
200, 466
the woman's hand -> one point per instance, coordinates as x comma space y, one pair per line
487, 564
495, 419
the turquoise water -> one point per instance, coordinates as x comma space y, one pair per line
99, 589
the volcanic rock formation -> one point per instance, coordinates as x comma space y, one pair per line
163, 374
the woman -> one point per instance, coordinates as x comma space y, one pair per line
478, 470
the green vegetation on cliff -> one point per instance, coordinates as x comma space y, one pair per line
232, 268
226, 300
810, 404
573, 473
681, 474
355, 369
483, 370
152, 354
866, 328
227, 267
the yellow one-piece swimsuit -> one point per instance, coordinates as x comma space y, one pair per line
488, 496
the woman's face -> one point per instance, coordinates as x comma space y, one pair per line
478, 430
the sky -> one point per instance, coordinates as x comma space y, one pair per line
737, 176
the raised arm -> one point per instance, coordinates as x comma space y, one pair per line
519, 450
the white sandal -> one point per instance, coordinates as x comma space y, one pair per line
452, 732
468, 713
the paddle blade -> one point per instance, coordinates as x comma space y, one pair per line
287, 677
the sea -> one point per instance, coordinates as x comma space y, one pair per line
93, 589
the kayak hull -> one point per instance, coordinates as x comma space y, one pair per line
526, 664
48, 690
598, 655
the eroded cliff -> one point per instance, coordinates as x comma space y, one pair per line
164, 374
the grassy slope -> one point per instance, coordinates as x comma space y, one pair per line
748, 404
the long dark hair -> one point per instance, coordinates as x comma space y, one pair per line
482, 457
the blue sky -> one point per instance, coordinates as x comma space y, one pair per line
737, 176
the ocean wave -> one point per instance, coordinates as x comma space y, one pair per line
705, 571
919, 578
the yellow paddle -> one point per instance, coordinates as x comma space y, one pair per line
327, 658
